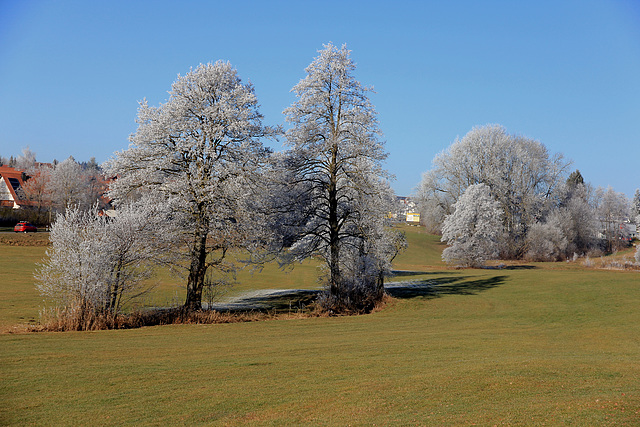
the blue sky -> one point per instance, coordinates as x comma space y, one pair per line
566, 73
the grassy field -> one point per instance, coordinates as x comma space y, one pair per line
19, 301
539, 344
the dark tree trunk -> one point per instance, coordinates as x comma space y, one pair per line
116, 288
334, 227
197, 270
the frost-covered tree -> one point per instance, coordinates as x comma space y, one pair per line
576, 217
474, 229
27, 160
546, 241
613, 210
72, 185
636, 203
519, 171
638, 253
203, 148
96, 263
335, 164
67, 185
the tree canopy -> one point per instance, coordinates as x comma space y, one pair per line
202, 149
520, 173
335, 162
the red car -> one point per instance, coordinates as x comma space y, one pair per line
25, 227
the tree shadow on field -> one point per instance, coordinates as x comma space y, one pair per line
293, 300
443, 286
414, 273
274, 300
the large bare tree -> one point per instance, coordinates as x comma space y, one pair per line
201, 149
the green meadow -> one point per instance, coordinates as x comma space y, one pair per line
530, 344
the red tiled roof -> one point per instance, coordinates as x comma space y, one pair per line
13, 180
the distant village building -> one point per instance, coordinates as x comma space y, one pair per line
413, 218
630, 231
407, 210
622, 229
11, 188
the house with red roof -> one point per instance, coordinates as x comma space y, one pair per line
11, 188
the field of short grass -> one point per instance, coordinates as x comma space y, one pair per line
528, 345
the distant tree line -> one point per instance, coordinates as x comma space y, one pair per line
50, 188
496, 195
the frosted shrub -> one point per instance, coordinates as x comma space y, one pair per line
96, 263
473, 229
545, 242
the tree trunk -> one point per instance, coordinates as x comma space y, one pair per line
379, 291
197, 270
334, 238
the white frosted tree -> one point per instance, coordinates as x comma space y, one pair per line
72, 185
635, 203
519, 171
96, 263
67, 185
335, 165
27, 160
203, 148
613, 210
546, 241
576, 216
474, 229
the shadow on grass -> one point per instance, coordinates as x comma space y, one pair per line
277, 300
443, 286
293, 300
401, 273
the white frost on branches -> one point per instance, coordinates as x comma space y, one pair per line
96, 262
519, 171
613, 209
202, 148
474, 228
336, 174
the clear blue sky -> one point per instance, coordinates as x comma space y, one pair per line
566, 73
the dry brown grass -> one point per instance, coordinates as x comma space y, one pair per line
78, 318
25, 239
59, 320
621, 260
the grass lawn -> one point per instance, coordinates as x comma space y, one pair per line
19, 300
530, 345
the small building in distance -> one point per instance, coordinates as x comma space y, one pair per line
629, 230
407, 210
11, 188
413, 218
